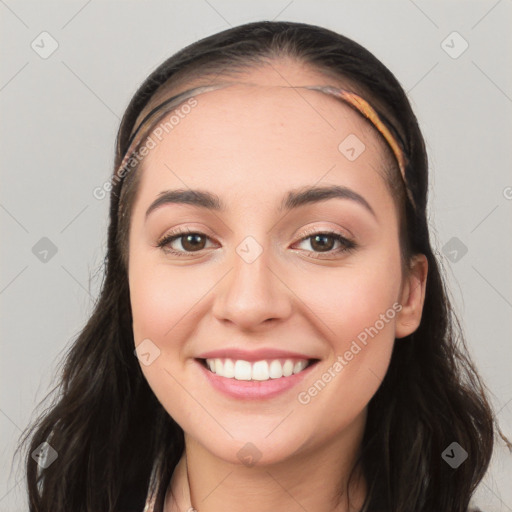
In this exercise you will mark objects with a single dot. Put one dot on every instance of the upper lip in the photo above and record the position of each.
(252, 355)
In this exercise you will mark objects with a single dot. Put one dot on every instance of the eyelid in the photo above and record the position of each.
(186, 230)
(177, 233)
(315, 231)
(303, 234)
(347, 244)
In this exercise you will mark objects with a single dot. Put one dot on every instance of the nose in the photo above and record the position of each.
(253, 294)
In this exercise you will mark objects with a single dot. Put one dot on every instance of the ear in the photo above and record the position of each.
(412, 297)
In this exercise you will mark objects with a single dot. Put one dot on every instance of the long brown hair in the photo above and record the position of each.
(107, 426)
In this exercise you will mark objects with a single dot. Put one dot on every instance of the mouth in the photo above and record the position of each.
(260, 371)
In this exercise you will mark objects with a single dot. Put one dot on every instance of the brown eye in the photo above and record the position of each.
(322, 242)
(193, 241)
(325, 242)
(190, 242)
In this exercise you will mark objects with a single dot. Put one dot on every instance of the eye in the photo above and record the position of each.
(324, 242)
(190, 241)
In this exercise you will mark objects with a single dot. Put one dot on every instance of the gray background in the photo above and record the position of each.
(59, 117)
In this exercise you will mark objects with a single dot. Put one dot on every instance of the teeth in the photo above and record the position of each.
(276, 370)
(229, 369)
(242, 370)
(218, 366)
(299, 366)
(259, 370)
(287, 368)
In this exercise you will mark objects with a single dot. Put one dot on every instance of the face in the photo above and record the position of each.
(259, 284)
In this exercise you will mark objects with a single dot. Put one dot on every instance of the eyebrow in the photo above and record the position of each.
(294, 199)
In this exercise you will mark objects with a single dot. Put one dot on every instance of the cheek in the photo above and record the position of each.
(355, 308)
(165, 305)
(351, 298)
(162, 300)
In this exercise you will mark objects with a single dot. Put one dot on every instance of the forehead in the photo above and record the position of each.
(249, 131)
(264, 133)
(261, 99)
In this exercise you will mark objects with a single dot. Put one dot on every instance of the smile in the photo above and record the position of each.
(240, 369)
(261, 379)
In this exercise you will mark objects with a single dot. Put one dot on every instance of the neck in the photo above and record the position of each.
(315, 479)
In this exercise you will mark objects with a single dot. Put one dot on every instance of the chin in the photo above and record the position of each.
(252, 448)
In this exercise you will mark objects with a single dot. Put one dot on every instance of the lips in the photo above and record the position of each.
(259, 388)
(256, 366)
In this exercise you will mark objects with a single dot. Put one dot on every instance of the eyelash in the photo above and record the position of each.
(347, 245)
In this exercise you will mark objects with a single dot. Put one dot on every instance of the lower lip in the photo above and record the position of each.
(254, 389)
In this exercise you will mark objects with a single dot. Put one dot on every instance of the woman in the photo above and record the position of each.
(273, 330)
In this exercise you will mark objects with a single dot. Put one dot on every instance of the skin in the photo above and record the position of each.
(250, 145)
